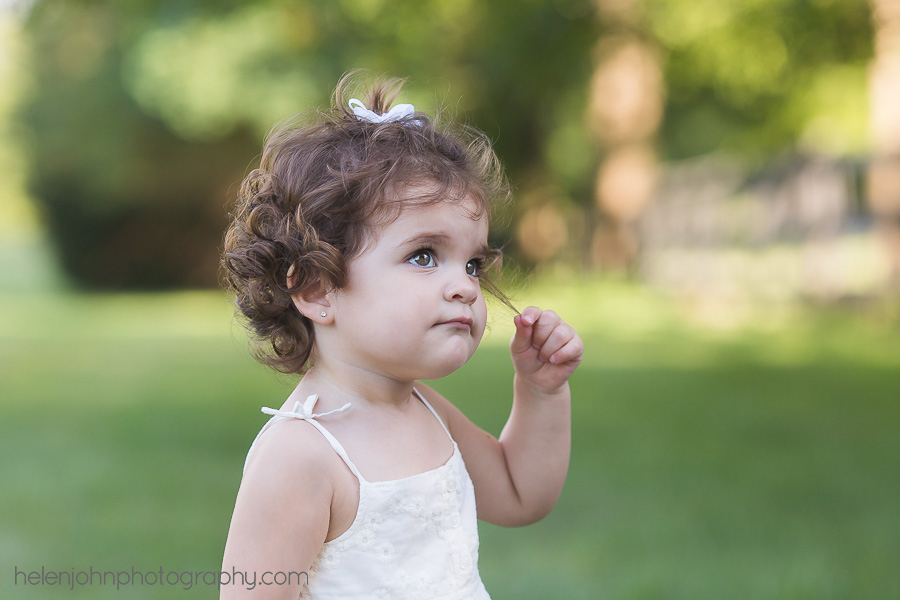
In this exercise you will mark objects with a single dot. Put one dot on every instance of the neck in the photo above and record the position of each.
(338, 382)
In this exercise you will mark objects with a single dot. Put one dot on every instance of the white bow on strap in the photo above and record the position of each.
(304, 410)
(398, 113)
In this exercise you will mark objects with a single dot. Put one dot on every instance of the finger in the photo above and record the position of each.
(573, 350)
(544, 326)
(559, 337)
(522, 338)
(531, 315)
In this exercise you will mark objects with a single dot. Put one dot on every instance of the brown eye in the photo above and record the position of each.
(423, 258)
(473, 267)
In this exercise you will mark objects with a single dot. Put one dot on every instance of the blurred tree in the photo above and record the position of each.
(146, 114)
(627, 96)
(884, 173)
(753, 77)
(128, 203)
(18, 219)
(749, 78)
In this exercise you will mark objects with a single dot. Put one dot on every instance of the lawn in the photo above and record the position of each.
(729, 453)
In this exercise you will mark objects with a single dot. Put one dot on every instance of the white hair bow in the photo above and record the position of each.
(399, 112)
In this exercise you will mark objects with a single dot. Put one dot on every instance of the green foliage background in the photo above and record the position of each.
(144, 116)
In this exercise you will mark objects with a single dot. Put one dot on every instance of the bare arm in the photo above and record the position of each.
(519, 477)
(281, 515)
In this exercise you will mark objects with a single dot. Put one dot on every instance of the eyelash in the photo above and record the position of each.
(477, 263)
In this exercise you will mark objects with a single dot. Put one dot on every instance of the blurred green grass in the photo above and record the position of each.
(756, 458)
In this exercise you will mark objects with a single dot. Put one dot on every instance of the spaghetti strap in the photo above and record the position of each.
(336, 446)
(434, 412)
(304, 412)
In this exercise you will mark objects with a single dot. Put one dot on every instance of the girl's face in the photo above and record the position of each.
(413, 306)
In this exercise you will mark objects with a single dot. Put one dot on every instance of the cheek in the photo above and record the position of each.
(480, 310)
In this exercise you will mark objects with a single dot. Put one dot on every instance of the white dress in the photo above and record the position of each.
(414, 538)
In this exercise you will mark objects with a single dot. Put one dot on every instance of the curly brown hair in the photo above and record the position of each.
(323, 185)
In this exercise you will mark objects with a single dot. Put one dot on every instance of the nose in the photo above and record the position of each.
(462, 287)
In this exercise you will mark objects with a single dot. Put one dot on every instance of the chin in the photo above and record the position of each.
(449, 365)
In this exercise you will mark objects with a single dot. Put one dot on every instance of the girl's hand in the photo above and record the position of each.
(545, 349)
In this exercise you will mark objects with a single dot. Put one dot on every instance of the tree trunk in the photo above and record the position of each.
(883, 180)
(624, 114)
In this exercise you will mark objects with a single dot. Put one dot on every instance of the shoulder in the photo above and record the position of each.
(289, 453)
(282, 512)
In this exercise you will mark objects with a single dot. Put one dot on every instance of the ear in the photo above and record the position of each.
(311, 301)
(313, 304)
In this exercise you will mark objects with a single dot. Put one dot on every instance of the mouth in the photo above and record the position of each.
(461, 323)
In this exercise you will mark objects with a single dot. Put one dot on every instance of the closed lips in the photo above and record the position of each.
(460, 322)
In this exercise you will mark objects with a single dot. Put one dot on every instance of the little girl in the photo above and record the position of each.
(358, 255)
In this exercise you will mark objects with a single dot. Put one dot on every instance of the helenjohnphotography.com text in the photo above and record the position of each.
(185, 579)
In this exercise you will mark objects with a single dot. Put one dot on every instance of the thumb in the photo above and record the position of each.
(522, 338)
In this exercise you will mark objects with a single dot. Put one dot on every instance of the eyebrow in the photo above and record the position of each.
(438, 239)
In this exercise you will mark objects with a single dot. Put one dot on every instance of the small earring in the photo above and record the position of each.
(323, 313)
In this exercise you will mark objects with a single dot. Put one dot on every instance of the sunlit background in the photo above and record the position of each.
(709, 191)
